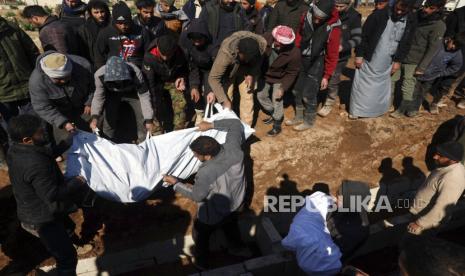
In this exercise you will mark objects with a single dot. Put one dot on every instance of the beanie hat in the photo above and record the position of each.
(347, 2)
(283, 34)
(56, 66)
(116, 69)
(249, 48)
(169, 2)
(323, 8)
(451, 150)
(167, 44)
(121, 12)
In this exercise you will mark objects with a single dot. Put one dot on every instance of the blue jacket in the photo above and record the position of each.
(444, 63)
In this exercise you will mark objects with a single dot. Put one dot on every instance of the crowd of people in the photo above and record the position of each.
(109, 72)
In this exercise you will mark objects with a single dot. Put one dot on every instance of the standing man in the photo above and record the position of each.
(166, 70)
(73, 13)
(117, 82)
(41, 192)
(321, 35)
(122, 39)
(284, 62)
(425, 42)
(145, 18)
(88, 32)
(386, 37)
(18, 55)
(221, 18)
(53, 34)
(61, 88)
(288, 13)
(253, 21)
(265, 13)
(236, 69)
(351, 36)
(219, 186)
(441, 190)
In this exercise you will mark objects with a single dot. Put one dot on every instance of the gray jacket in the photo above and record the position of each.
(54, 103)
(141, 89)
(220, 183)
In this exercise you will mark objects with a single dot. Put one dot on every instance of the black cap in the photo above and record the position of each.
(121, 12)
(451, 150)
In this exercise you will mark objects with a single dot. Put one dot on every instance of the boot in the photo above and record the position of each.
(299, 117)
(268, 121)
(199, 114)
(276, 128)
(309, 119)
(325, 110)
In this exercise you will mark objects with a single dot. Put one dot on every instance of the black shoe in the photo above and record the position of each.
(268, 121)
(273, 132)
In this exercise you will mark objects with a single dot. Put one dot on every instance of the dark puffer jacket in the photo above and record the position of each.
(17, 60)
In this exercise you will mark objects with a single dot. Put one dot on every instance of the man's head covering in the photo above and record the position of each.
(283, 34)
(121, 12)
(56, 66)
(167, 44)
(346, 2)
(451, 150)
(249, 48)
(116, 69)
(323, 8)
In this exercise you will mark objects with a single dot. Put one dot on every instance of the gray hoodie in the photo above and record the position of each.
(220, 183)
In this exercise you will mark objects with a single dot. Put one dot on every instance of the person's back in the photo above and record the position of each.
(56, 35)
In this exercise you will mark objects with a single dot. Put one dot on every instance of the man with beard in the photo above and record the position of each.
(236, 69)
(99, 18)
(351, 36)
(221, 19)
(321, 36)
(386, 35)
(61, 88)
(284, 61)
(123, 38)
(441, 190)
(288, 13)
(42, 194)
(252, 19)
(425, 42)
(73, 13)
(145, 18)
(219, 188)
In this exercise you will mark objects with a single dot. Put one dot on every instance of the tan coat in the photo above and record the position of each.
(441, 190)
(226, 67)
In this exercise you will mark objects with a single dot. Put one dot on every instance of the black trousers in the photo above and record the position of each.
(202, 232)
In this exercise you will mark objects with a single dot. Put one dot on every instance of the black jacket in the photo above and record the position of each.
(374, 27)
(252, 21)
(351, 32)
(156, 27)
(131, 47)
(290, 16)
(88, 34)
(38, 185)
(455, 22)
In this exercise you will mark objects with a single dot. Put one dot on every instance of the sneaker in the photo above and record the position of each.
(302, 127)
(294, 122)
(273, 132)
(268, 121)
(325, 110)
(461, 104)
(433, 109)
(353, 117)
(396, 114)
(442, 103)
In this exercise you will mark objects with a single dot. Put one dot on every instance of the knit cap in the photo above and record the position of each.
(121, 12)
(116, 69)
(283, 34)
(56, 66)
(323, 8)
(451, 150)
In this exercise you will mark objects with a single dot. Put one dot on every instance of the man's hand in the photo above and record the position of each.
(93, 123)
(80, 180)
(419, 72)
(69, 127)
(211, 98)
(358, 62)
(180, 84)
(414, 228)
(171, 180)
(279, 94)
(340, 48)
(248, 81)
(395, 67)
(149, 126)
(324, 84)
(86, 110)
(227, 104)
(204, 126)
(195, 95)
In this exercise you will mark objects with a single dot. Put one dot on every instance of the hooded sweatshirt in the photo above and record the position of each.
(310, 239)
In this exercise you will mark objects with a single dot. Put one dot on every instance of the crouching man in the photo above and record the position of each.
(41, 192)
(219, 187)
